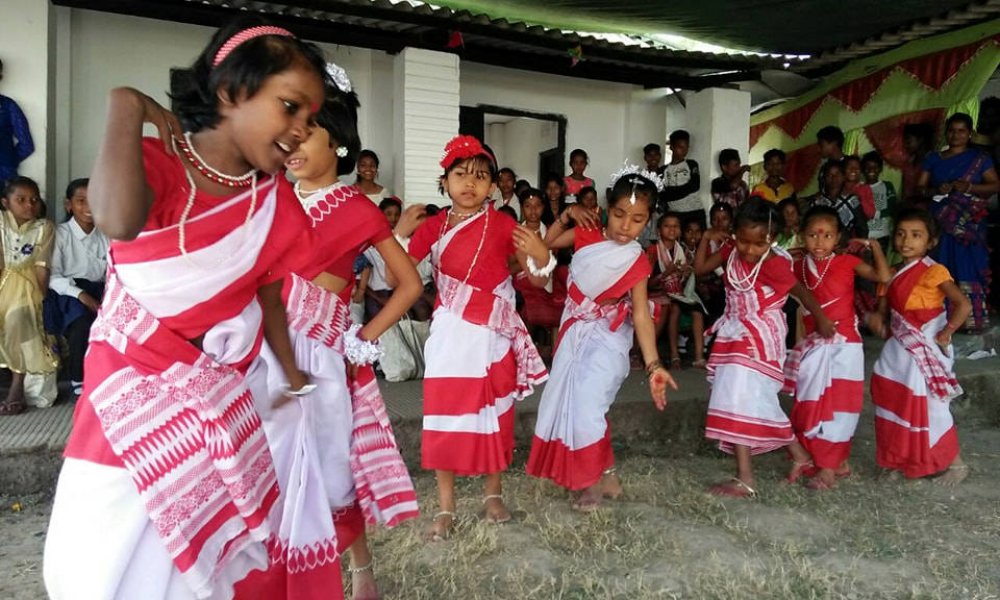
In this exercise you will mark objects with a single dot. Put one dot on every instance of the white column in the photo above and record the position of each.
(717, 119)
(425, 118)
(24, 49)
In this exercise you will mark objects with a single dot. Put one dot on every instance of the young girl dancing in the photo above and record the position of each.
(826, 375)
(607, 295)
(479, 356)
(913, 382)
(336, 457)
(25, 348)
(168, 489)
(745, 365)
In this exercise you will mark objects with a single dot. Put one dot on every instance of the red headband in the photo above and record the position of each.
(246, 35)
(463, 147)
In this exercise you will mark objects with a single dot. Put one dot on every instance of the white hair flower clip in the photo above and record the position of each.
(339, 77)
(631, 169)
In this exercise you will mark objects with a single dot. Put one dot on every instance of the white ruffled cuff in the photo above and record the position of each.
(359, 351)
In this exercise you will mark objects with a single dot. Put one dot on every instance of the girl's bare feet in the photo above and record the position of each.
(800, 468)
(954, 474)
(590, 500)
(735, 487)
(825, 479)
(890, 475)
(495, 511)
(843, 471)
(611, 484)
(441, 526)
(363, 586)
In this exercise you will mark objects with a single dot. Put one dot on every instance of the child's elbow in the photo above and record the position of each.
(118, 229)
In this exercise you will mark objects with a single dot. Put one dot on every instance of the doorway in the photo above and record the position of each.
(532, 144)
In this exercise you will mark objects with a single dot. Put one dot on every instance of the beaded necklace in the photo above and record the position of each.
(819, 276)
(181, 236)
(482, 238)
(233, 181)
(748, 282)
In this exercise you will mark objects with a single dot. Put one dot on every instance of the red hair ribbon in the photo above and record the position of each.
(247, 35)
(463, 147)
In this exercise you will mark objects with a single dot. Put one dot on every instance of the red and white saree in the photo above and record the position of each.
(479, 356)
(572, 442)
(826, 376)
(168, 488)
(745, 365)
(913, 383)
(334, 450)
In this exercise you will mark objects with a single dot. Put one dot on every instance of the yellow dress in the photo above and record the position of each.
(25, 347)
(785, 190)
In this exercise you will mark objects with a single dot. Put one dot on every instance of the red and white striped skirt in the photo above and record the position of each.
(829, 392)
(470, 386)
(743, 410)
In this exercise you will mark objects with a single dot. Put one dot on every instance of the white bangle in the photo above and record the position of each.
(544, 271)
(302, 391)
(358, 351)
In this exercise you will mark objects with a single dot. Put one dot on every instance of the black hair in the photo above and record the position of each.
(831, 133)
(522, 183)
(830, 164)
(790, 201)
(550, 177)
(728, 155)
(668, 215)
(850, 158)
(922, 215)
(959, 118)
(507, 170)
(873, 157)
(507, 210)
(680, 135)
(579, 152)
(693, 220)
(527, 193)
(432, 209)
(774, 153)
(642, 187)
(757, 212)
(721, 207)
(20, 181)
(241, 73)
(75, 185)
(366, 153)
(338, 115)
(587, 189)
(390, 201)
(651, 147)
(820, 212)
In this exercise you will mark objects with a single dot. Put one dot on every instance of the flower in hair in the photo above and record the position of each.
(339, 77)
(630, 169)
(462, 147)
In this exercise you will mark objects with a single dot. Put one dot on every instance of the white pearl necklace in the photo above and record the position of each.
(233, 180)
(745, 283)
(182, 237)
(464, 216)
(805, 279)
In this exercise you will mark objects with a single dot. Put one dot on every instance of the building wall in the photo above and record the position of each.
(518, 142)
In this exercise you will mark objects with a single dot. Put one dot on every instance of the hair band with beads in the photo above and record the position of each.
(245, 36)
(462, 147)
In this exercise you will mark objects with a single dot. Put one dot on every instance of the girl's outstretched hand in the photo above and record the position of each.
(584, 217)
(166, 123)
(411, 218)
(659, 379)
(530, 243)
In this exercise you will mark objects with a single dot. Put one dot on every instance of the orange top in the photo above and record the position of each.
(927, 294)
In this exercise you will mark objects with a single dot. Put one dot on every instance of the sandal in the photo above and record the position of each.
(699, 363)
(493, 518)
(433, 534)
(617, 493)
(801, 469)
(739, 490)
(10, 408)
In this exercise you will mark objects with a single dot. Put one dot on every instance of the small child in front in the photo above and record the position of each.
(607, 298)
(826, 375)
(745, 365)
(480, 358)
(913, 382)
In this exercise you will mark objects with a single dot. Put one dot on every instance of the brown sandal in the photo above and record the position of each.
(11, 407)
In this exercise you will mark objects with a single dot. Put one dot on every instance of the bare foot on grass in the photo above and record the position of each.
(441, 526)
(495, 511)
(363, 585)
(611, 485)
(954, 474)
(590, 500)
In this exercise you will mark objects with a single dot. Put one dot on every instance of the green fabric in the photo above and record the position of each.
(805, 26)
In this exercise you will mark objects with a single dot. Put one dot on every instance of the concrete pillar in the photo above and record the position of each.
(717, 119)
(425, 118)
(27, 51)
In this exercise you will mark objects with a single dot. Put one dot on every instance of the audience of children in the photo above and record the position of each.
(79, 263)
(681, 181)
(505, 194)
(880, 226)
(576, 180)
(833, 194)
(775, 187)
(367, 173)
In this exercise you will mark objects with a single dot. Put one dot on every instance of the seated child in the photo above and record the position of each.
(25, 348)
(775, 188)
(730, 188)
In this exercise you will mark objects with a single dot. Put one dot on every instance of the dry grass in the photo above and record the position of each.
(668, 539)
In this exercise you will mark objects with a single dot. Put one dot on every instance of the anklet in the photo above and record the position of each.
(361, 569)
(610, 471)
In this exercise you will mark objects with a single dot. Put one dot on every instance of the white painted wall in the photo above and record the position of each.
(519, 141)
(611, 121)
(24, 44)
(717, 118)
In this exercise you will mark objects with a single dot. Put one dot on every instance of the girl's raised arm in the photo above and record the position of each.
(645, 333)
(879, 272)
(705, 263)
(120, 196)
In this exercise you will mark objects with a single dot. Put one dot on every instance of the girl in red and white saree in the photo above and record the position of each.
(913, 382)
(606, 298)
(745, 365)
(336, 457)
(168, 490)
(479, 356)
(826, 376)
